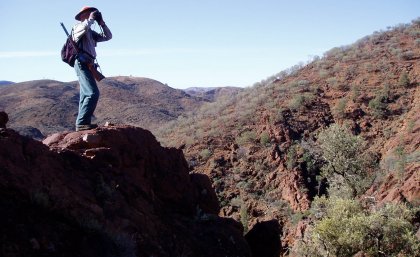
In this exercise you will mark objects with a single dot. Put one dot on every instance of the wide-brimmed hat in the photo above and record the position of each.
(85, 9)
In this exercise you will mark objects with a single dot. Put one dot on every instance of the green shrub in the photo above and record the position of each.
(297, 102)
(236, 202)
(369, 67)
(396, 51)
(378, 106)
(205, 154)
(244, 217)
(340, 107)
(265, 138)
(332, 81)
(410, 126)
(346, 165)
(291, 157)
(259, 166)
(343, 227)
(401, 162)
(246, 137)
(300, 101)
(276, 116)
(355, 93)
(323, 73)
(404, 81)
(406, 55)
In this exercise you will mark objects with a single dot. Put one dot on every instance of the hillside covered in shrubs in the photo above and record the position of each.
(326, 152)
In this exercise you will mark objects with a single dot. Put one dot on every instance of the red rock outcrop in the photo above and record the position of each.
(107, 192)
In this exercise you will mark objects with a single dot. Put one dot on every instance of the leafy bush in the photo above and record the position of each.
(291, 157)
(369, 67)
(244, 217)
(410, 126)
(246, 137)
(404, 81)
(355, 93)
(401, 162)
(343, 227)
(276, 116)
(332, 81)
(205, 154)
(345, 165)
(265, 138)
(300, 101)
(297, 102)
(340, 107)
(378, 106)
(407, 55)
(396, 51)
(324, 73)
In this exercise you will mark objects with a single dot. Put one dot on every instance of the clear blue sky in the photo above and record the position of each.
(188, 43)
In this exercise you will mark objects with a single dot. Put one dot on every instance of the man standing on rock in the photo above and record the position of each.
(86, 40)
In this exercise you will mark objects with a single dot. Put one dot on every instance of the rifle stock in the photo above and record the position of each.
(96, 74)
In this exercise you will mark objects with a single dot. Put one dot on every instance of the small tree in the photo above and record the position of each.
(246, 138)
(346, 165)
(265, 138)
(378, 106)
(297, 102)
(355, 93)
(291, 157)
(340, 107)
(205, 154)
(401, 161)
(404, 81)
(301, 101)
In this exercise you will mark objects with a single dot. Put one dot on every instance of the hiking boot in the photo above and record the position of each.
(85, 127)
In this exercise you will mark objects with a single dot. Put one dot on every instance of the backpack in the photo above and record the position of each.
(69, 52)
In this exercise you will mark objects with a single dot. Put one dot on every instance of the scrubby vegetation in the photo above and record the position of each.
(345, 227)
(309, 145)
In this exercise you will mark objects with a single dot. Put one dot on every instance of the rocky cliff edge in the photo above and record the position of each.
(112, 191)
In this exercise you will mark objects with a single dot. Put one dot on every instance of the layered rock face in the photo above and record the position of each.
(112, 191)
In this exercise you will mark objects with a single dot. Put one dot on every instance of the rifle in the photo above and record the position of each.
(92, 66)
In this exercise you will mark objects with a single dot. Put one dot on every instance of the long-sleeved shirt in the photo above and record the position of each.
(86, 38)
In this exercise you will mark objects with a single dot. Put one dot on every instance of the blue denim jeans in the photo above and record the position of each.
(89, 93)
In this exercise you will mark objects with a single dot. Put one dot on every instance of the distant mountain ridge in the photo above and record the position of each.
(42, 107)
(5, 82)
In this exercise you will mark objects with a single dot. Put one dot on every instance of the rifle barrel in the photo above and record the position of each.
(64, 27)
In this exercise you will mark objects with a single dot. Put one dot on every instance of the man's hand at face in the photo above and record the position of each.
(93, 15)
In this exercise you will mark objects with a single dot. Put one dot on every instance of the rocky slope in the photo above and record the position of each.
(39, 108)
(256, 147)
(112, 191)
